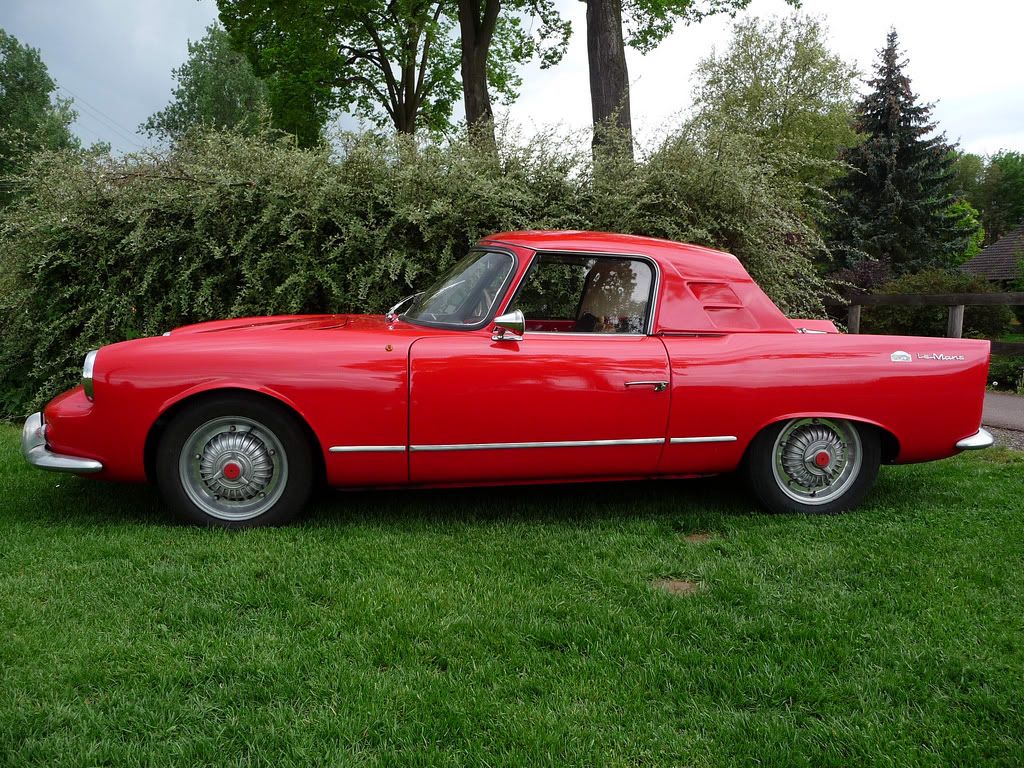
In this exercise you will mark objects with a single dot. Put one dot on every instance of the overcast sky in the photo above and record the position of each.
(114, 57)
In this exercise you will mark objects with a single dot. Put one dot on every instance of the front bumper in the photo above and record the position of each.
(33, 446)
(980, 439)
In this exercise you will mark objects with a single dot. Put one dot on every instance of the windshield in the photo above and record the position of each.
(465, 294)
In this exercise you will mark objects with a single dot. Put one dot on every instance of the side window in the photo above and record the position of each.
(585, 294)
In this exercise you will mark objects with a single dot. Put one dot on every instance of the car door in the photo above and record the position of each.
(553, 405)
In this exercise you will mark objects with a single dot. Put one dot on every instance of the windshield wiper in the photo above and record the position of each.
(392, 314)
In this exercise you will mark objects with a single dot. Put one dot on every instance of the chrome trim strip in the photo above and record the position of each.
(366, 448)
(33, 447)
(543, 444)
(590, 335)
(980, 439)
(706, 439)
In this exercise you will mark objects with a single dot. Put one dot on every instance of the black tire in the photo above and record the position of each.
(272, 476)
(783, 469)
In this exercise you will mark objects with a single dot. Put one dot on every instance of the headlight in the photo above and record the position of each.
(87, 366)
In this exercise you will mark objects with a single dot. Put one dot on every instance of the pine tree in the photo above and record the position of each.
(896, 205)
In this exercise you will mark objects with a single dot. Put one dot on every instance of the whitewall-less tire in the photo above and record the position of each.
(234, 461)
(816, 466)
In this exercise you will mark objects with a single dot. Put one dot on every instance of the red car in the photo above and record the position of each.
(539, 357)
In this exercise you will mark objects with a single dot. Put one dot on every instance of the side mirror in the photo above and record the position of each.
(509, 327)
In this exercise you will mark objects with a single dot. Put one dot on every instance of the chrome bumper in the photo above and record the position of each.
(980, 439)
(33, 446)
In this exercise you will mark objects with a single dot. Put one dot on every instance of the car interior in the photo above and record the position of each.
(566, 293)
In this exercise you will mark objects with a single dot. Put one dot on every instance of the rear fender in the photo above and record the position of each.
(889, 452)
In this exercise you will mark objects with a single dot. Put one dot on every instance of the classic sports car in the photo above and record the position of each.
(539, 357)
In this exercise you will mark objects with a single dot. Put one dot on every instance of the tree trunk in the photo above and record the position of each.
(408, 105)
(609, 78)
(476, 32)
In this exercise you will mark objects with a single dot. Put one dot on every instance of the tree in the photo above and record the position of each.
(32, 117)
(216, 88)
(779, 82)
(493, 42)
(390, 62)
(968, 175)
(995, 187)
(647, 23)
(609, 77)
(394, 61)
(1001, 194)
(969, 220)
(895, 203)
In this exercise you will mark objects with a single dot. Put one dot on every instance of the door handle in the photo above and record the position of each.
(659, 386)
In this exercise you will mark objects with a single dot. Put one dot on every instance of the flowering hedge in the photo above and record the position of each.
(100, 249)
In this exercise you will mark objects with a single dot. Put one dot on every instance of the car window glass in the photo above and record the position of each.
(585, 294)
(466, 293)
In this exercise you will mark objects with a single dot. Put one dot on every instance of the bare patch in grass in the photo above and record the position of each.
(698, 537)
(677, 586)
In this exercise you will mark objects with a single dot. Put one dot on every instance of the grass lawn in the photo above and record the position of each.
(517, 627)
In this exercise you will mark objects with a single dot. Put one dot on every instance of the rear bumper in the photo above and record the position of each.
(980, 439)
(33, 446)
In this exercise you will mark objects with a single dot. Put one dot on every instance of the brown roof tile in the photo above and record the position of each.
(1001, 260)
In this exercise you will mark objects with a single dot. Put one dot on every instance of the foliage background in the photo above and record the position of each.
(979, 322)
(102, 249)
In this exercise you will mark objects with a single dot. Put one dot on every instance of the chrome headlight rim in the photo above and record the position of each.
(87, 372)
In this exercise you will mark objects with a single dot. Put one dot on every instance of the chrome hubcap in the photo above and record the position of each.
(233, 468)
(817, 460)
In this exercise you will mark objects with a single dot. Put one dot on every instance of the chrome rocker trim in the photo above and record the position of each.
(428, 447)
(366, 449)
(707, 439)
(549, 444)
(33, 446)
(980, 439)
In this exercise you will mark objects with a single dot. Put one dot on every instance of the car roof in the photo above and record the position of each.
(708, 291)
(688, 259)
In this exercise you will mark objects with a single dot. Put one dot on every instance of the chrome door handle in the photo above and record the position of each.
(659, 386)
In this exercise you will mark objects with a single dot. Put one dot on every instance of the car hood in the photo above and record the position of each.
(285, 323)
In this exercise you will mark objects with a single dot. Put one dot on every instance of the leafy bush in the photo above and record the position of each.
(102, 249)
(1007, 373)
(980, 322)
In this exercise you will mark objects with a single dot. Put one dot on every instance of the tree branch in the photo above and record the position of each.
(385, 65)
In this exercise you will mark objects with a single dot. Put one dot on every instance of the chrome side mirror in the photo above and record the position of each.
(509, 327)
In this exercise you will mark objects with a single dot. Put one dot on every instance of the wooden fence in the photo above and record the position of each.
(956, 303)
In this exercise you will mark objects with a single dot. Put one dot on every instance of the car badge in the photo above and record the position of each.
(899, 356)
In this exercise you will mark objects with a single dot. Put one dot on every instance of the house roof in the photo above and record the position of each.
(1001, 260)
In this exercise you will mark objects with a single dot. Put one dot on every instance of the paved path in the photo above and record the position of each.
(1004, 410)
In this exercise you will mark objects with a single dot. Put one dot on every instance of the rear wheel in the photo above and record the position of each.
(814, 466)
(234, 462)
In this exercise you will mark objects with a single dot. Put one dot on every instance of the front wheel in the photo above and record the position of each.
(814, 466)
(234, 462)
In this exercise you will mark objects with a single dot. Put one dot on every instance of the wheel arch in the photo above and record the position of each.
(176, 405)
(890, 443)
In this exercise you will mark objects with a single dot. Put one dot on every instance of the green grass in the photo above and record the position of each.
(517, 627)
